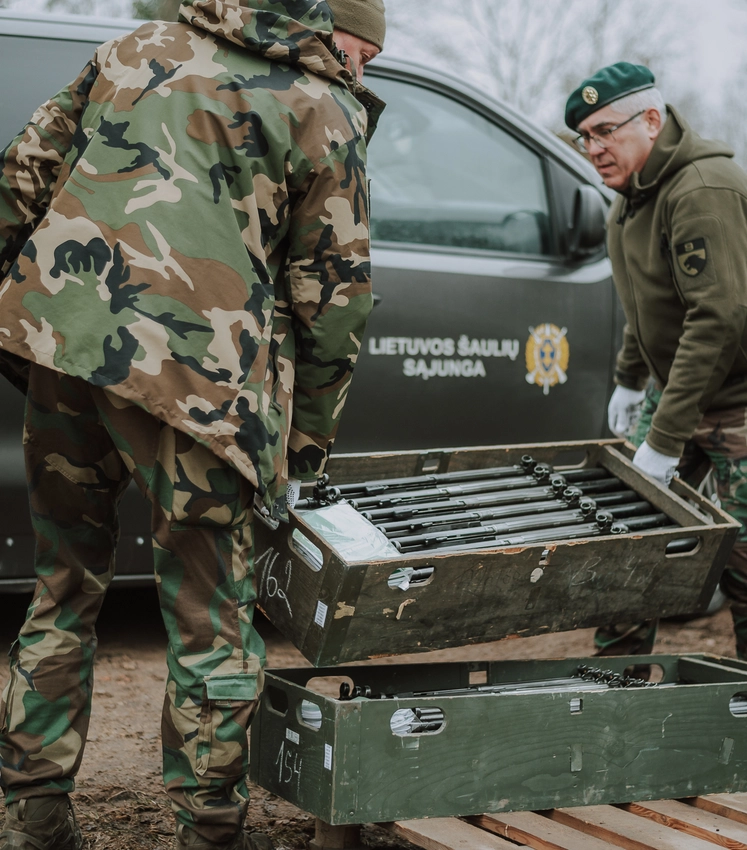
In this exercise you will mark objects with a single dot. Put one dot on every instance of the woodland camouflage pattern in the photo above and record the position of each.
(185, 250)
(241, 323)
(83, 446)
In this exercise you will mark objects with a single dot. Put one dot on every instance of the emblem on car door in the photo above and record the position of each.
(547, 355)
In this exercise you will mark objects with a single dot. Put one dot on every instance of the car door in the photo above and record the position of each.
(38, 58)
(485, 330)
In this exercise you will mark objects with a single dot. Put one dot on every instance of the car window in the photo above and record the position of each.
(34, 69)
(443, 175)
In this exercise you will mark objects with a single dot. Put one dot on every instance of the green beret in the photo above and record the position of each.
(609, 84)
(364, 18)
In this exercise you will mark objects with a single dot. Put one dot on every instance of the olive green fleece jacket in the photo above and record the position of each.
(678, 243)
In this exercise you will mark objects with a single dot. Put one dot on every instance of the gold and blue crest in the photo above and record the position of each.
(547, 355)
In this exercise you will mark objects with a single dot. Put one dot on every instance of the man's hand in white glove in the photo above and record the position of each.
(292, 492)
(653, 463)
(623, 409)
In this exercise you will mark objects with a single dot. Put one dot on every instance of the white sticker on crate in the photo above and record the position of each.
(292, 736)
(327, 757)
(320, 618)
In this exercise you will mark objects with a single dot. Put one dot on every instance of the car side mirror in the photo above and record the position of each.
(586, 230)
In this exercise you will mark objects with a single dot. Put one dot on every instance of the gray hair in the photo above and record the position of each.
(639, 101)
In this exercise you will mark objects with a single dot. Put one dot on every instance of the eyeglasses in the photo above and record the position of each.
(604, 137)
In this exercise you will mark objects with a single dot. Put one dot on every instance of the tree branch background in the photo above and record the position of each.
(533, 53)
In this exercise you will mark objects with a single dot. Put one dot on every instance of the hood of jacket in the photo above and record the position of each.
(677, 146)
(294, 32)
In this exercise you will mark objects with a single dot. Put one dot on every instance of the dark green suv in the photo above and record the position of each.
(496, 318)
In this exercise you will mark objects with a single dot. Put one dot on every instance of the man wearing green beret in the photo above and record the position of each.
(677, 239)
(185, 282)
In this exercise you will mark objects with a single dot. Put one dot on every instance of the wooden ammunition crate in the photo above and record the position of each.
(498, 752)
(336, 612)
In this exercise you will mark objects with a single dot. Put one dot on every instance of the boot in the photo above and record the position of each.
(41, 823)
(188, 839)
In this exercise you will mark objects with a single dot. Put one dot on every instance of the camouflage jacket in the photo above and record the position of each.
(186, 225)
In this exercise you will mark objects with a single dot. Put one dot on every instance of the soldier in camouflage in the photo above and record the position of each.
(184, 248)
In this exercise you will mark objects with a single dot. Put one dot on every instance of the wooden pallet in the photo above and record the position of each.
(698, 823)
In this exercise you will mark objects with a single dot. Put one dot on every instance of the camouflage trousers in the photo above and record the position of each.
(83, 445)
(719, 444)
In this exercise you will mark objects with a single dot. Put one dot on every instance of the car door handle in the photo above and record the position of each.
(377, 299)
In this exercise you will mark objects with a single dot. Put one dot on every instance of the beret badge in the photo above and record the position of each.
(590, 95)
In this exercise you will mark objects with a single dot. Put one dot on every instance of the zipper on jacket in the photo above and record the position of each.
(644, 352)
(666, 249)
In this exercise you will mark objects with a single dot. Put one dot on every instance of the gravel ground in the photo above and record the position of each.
(119, 798)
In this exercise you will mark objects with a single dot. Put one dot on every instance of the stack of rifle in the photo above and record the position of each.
(504, 506)
(418, 720)
(584, 678)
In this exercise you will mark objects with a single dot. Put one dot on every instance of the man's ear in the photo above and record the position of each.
(652, 119)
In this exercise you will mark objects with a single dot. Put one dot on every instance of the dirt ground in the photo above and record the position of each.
(119, 797)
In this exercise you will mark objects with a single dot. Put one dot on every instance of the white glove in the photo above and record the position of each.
(653, 463)
(624, 409)
(292, 492)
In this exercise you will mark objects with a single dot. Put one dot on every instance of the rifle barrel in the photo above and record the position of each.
(511, 486)
(527, 494)
(444, 492)
(570, 532)
(541, 473)
(567, 683)
(629, 509)
(524, 523)
(391, 529)
(634, 515)
(682, 546)
(618, 498)
(480, 515)
(640, 523)
(373, 488)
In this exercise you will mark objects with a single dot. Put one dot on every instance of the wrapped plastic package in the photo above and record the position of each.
(353, 536)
